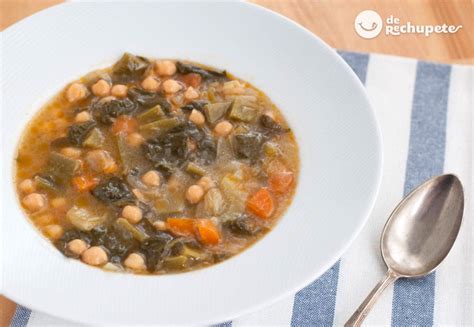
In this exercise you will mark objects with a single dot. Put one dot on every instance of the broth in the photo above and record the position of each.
(156, 166)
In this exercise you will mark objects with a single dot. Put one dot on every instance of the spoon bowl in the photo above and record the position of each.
(418, 235)
(421, 230)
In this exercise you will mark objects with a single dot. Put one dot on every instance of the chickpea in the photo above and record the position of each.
(54, 232)
(151, 84)
(82, 117)
(119, 91)
(44, 220)
(160, 225)
(101, 88)
(34, 201)
(135, 261)
(194, 194)
(27, 186)
(77, 246)
(57, 203)
(132, 213)
(191, 93)
(135, 140)
(233, 87)
(206, 183)
(171, 86)
(165, 68)
(223, 128)
(76, 92)
(151, 178)
(95, 256)
(197, 117)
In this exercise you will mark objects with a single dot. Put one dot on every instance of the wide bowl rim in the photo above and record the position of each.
(335, 256)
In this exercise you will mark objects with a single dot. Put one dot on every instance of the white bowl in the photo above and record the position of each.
(322, 99)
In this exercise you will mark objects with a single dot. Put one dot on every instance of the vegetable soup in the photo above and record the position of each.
(156, 166)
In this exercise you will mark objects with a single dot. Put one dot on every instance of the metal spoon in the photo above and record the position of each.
(418, 235)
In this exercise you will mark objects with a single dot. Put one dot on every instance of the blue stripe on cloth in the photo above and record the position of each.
(413, 300)
(224, 324)
(314, 305)
(21, 317)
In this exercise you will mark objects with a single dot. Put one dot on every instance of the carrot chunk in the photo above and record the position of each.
(208, 232)
(125, 124)
(202, 229)
(84, 183)
(181, 226)
(261, 204)
(192, 79)
(281, 181)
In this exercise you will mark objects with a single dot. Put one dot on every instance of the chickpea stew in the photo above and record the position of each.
(156, 166)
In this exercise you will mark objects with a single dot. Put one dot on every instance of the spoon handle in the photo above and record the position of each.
(363, 310)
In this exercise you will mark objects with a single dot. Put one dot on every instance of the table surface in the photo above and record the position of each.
(333, 21)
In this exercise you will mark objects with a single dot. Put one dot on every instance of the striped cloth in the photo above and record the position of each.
(424, 112)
